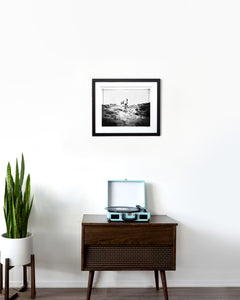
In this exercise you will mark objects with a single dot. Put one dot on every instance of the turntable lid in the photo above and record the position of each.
(126, 193)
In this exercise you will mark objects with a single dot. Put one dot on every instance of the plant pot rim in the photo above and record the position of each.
(29, 235)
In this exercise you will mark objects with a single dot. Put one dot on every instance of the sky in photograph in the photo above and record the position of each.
(134, 95)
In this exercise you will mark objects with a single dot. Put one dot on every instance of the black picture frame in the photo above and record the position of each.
(112, 116)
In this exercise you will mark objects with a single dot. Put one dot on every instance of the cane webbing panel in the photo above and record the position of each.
(129, 257)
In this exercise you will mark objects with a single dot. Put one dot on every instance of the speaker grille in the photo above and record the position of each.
(129, 257)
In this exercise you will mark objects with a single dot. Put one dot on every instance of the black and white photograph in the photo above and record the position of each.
(126, 106)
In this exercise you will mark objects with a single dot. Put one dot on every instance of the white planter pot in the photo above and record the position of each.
(17, 250)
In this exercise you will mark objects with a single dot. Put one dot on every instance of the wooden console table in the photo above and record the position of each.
(108, 246)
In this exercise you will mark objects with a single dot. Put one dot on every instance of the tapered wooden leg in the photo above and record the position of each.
(156, 279)
(6, 279)
(24, 277)
(1, 278)
(33, 287)
(90, 282)
(164, 284)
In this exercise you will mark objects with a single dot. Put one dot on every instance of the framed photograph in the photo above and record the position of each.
(125, 107)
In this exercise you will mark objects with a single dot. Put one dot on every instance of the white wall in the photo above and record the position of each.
(50, 51)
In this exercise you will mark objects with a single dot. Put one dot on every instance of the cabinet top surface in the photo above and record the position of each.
(102, 219)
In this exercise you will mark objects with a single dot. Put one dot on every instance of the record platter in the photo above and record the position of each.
(127, 214)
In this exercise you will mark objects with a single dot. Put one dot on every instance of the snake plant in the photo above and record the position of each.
(17, 202)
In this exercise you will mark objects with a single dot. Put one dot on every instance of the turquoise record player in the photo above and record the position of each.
(126, 201)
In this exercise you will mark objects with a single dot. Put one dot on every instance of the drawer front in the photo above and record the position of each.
(129, 258)
(129, 235)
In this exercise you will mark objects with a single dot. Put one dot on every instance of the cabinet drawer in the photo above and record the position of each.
(129, 235)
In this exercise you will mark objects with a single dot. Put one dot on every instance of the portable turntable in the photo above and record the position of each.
(126, 201)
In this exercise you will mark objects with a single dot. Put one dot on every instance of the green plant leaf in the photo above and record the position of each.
(16, 186)
(22, 172)
(27, 192)
(9, 227)
(30, 208)
(6, 197)
(9, 178)
(28, 211)
(15, 229)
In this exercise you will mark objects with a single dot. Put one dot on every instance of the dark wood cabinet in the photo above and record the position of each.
(128, 246)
